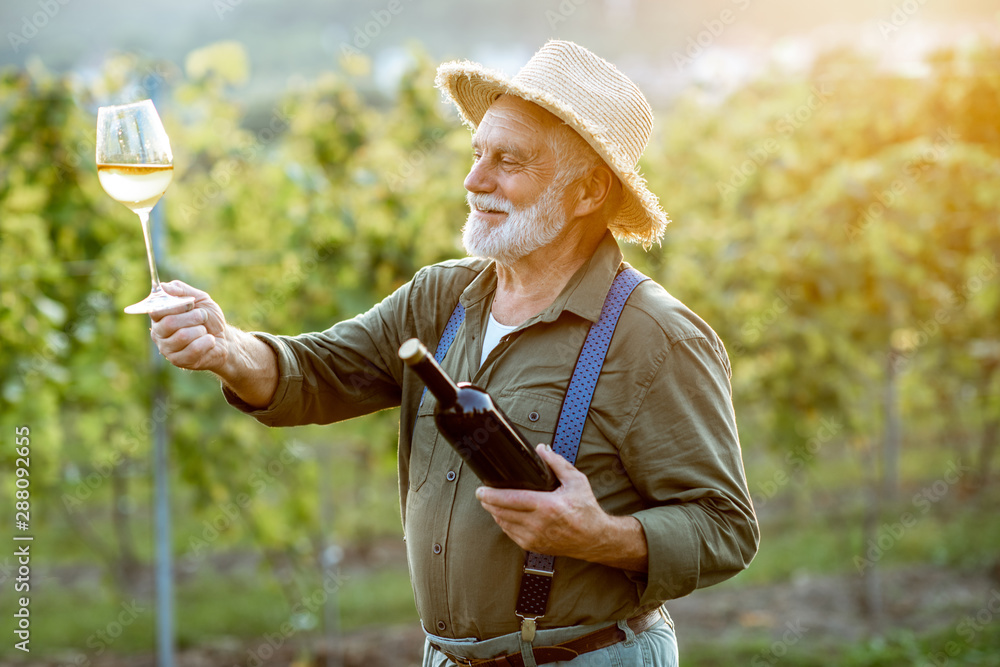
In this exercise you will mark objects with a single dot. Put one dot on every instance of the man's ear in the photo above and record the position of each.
(593, 190)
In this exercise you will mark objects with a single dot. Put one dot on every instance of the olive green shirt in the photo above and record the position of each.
(660, 443)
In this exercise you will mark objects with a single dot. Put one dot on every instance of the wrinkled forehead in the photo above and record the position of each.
(511, 119)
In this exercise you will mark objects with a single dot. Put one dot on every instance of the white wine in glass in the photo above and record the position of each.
(135, 166)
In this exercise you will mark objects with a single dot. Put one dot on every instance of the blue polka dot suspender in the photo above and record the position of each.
(536, 581)
(447, 338)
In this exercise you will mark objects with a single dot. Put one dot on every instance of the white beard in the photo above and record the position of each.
(526, 229)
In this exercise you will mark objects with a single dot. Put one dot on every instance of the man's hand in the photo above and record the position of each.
(568, 521)
(197, 337)
(192, 336)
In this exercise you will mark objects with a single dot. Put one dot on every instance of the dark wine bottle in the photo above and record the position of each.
(478, 429)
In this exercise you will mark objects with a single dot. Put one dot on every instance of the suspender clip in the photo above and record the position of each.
(528, 627)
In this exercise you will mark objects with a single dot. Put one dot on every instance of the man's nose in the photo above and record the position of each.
(480, 178)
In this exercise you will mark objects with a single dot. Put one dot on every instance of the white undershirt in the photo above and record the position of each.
(494, 332)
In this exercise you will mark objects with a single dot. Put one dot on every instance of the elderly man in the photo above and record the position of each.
(656, 504)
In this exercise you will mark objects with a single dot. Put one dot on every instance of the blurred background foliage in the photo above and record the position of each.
(839, 229)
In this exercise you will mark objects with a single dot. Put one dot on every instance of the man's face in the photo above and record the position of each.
(515, 197)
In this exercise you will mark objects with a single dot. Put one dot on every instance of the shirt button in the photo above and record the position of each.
(442, 626)
(436, 549)
(451, 476)
(533, 416)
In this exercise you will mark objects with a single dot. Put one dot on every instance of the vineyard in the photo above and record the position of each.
(840, 230)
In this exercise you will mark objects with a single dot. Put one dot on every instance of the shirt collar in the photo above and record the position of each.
(583, 295)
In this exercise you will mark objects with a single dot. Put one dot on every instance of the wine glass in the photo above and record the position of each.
(135, 166)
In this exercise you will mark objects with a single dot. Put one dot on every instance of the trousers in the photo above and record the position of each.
(656, 647)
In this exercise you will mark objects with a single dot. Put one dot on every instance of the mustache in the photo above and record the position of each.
(486, 202)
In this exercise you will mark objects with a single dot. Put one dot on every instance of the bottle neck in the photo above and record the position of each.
(437, 381)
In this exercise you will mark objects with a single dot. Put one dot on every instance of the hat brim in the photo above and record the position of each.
(473, 88)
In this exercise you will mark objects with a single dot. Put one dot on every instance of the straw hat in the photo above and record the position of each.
(592, 97)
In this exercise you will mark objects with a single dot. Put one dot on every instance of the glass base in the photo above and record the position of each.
(158, 300)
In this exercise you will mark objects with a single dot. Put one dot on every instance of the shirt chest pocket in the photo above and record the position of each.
(534, 415)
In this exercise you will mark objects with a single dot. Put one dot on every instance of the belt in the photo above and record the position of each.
(593, 641)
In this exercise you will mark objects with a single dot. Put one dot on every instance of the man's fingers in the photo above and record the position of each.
(181, 288)
(158, 315)
(191, 336)
(504, 516)
(511, 499)
(178, 340)
(563, 469)
(184, 337)
(167, 325)
(527, 501)
(555, 461)
(198, 355)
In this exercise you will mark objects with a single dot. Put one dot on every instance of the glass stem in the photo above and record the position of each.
(143, 214)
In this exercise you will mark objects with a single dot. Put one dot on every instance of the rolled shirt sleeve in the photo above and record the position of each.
(343, 372)
(353, 368)
(683, 455)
